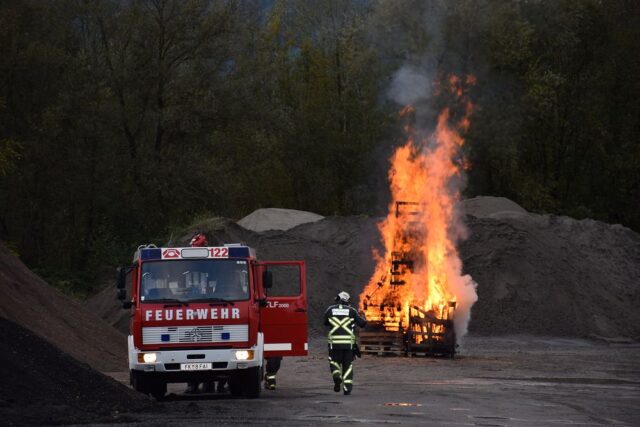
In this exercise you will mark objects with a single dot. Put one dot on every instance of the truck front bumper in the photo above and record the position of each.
(173, 361)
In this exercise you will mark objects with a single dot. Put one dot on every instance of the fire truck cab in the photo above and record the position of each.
(204, 314)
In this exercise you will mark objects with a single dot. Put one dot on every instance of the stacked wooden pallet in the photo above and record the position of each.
(382, 343)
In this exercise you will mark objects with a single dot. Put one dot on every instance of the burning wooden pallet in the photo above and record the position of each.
(429, 335)
(400, 324)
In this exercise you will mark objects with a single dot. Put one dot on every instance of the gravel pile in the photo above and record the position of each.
(543, 274)
(43, 385)
(29, 301)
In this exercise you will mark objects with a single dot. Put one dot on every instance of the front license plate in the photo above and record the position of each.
(194, 366)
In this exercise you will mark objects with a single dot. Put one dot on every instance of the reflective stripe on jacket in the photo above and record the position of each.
(342, 319)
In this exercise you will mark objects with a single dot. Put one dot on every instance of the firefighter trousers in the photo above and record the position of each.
(273, 365)
(340, 363)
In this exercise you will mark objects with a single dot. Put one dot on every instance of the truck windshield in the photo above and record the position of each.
(194, 280)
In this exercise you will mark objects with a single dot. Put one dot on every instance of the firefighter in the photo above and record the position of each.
(342, 318)
(273, 365)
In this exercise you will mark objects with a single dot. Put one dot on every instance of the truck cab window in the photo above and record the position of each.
(191, 280)
(286, 281)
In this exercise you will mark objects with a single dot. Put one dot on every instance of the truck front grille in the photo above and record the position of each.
(195, 334)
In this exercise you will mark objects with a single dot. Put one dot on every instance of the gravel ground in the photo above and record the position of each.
(497, 381)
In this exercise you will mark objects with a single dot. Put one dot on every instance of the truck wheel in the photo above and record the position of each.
(235, 384)
(252, 382)
(158, 390)
(138, 382)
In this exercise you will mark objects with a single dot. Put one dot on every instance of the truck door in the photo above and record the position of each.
(283, 319)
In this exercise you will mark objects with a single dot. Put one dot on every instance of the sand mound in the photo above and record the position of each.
(42, 385)
(536, 274)
(29, 301)
(277, 219)
(482, 207)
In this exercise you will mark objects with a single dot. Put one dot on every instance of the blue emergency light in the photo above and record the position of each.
(239, 252)
(150, 254)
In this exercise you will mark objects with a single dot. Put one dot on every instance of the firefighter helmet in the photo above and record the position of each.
(343, 297)
(199, 240)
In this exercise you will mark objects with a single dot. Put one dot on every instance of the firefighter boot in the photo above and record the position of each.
(336, 373)
(347, 389)
(347, 383)
(270, 382)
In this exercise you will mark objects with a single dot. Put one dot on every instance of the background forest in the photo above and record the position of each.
(122, 120)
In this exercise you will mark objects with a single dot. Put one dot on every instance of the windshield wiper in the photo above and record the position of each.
(212, 301)
(170, 300)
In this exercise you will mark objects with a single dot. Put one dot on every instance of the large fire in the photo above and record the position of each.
(420, 267)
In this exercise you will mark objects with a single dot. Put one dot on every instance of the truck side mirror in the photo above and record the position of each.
(121, 279)
(267, 279)
(122, 295)
(121, 283)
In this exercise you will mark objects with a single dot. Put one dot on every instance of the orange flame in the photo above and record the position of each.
(420, 266)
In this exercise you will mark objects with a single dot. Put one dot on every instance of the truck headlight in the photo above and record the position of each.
(244, 354)
(147, 358)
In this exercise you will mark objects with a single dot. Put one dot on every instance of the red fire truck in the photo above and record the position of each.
(204, 314)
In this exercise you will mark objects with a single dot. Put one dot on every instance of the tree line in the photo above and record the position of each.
(120, 120)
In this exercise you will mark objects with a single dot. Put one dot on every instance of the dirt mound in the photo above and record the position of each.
(487, 206)
(544, 274)
(276, 219)
(29, 301)
(536, 274)
(42, 385)
(105, 305)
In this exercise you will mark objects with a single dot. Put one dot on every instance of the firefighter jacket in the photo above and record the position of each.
(342, 318)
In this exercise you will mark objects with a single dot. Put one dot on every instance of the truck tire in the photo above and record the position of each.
(158, 390)
(235, 384)
(145, 385)
(246, 383)
(139, 382)
(252, 383)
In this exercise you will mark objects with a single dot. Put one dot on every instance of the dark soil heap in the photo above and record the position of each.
(29, 301)
(544, 274)
(42, 385)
